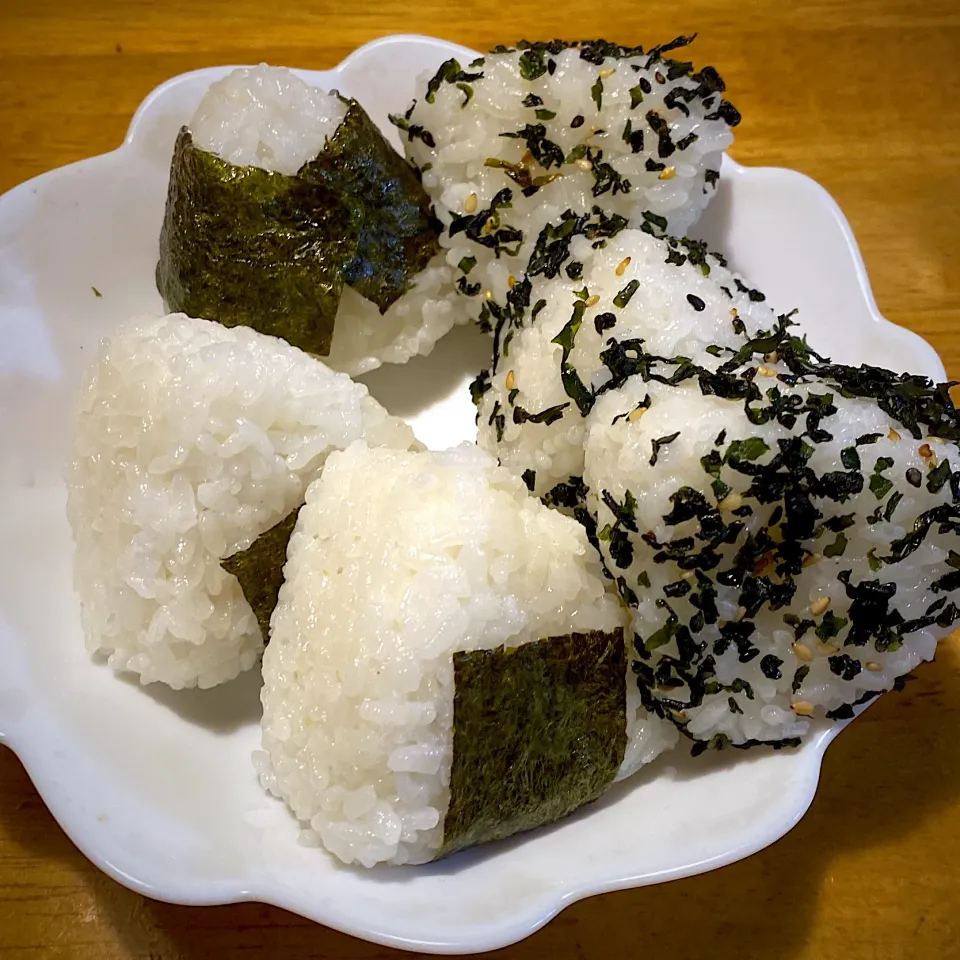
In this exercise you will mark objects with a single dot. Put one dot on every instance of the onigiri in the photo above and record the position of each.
(404, 569)
(191, 440)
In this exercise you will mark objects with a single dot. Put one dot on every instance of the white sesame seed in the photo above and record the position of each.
(873, 666)
(622, 266)
(636, 414)
(511, 381)
(592, 301)
(731, 501)
(802, 651)
(470, 204)
(820, 606)
(584, 164)
(607, 72)
(667, 174)
(802, 708)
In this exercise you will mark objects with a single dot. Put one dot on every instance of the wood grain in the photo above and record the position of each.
(861, 95)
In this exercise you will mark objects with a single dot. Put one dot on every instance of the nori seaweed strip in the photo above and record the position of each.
(246, 246)
(398, 236)
(539, 730)
(259, 569)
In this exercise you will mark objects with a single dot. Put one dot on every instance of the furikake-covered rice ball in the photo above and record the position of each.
(783, 528)
(550, 334)
(514, 140)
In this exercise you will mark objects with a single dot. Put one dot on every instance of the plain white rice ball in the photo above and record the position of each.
(190, 440)
(397, 561)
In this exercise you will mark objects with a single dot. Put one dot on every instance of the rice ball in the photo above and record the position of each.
(674, 296)
(522, 137)
(399, 561)
(782, 529)
(190, 440)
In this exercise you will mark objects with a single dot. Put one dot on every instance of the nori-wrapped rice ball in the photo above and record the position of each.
(251, 247)
(281, 196)
(445, 666)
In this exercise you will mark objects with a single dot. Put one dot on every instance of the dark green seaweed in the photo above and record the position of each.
(243, 245)
(538, 731)
(398, 236)
(246, 246)
(259, 569)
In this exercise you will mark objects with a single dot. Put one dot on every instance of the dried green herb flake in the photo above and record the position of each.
(623, 297)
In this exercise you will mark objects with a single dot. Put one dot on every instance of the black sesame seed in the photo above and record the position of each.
(577, 121)
(770, 667)
(696, 303)
(914, 477)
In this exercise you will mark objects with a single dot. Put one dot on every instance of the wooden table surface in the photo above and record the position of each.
(863, 96)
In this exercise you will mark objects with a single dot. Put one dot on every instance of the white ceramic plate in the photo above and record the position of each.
(156, 787)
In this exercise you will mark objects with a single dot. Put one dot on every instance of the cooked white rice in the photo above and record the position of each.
(192, 439)
(268, 117)
(398, 560)
(465, 120)
(765, 685)
(364, 339)
(527, 375)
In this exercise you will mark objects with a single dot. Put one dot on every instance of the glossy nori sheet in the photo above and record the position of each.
(259, 569)
(398, 236)
(242, 245)
(538, 731)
